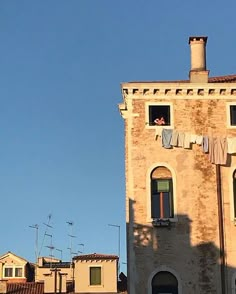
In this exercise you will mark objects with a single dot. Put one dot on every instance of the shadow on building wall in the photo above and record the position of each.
(161, 259)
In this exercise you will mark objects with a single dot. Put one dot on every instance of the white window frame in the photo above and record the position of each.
(148, 189)
(8, 267)
(171, 126)
(14, 267)
(22, 269)
(100, 285)
(228, 104)
(231, 190)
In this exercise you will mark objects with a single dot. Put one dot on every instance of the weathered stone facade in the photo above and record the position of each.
(188, 248)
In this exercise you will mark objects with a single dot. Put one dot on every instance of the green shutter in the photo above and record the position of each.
(95, 276)
(163, 186)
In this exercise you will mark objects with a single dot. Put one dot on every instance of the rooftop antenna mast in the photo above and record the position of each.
(82, 251)
(36, 227)
(71, 236)
(51, 247)
(46, 231)
(60, 252)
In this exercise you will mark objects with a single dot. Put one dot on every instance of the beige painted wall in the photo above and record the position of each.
(49, 283)
(190, 249)
(13, 261)
(109, 276)
(41, 272)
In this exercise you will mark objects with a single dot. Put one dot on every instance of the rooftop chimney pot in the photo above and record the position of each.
(198, 71)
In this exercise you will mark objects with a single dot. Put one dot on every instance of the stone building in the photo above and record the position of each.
(180, 145)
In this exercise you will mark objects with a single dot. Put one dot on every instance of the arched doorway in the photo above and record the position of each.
(164, 283)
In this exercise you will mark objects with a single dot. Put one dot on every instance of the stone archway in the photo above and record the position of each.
(164, 282)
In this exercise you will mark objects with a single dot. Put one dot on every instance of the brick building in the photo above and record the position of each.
(180, 139)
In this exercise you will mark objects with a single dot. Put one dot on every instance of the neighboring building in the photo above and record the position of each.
(96, 273)
(181, 199)
(15, 269)
(55, 274)
(92, 273)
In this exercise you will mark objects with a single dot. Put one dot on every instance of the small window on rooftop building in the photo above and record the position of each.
(95, 276)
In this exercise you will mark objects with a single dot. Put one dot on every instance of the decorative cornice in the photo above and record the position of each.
(179, 91)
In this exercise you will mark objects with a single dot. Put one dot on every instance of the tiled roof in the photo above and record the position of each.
(95, 256)
(25, 288)
(223, 79)
(219, 79)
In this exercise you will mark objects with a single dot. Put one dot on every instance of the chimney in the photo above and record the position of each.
(198, 72)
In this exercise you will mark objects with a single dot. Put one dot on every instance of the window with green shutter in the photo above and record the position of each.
(161, 194)
(95, 276)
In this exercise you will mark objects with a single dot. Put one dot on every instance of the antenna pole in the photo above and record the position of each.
(71, 236)
(36, 227)
(46, 230)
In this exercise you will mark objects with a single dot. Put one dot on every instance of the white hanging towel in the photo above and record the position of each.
(231, 145)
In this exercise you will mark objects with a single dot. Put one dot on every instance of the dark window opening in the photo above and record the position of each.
(18, 272)
(234, 192)
(233, 115)
(162, 206)
(8, 272)
(159, 115)
(164, 282)
(161, 193)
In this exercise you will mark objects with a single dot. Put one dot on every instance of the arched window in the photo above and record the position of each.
(161, 193)
(164, 282)
(234, 192)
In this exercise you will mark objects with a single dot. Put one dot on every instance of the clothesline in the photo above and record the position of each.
(216, 147)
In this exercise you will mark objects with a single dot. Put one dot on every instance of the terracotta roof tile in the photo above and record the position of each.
(219, 79)
(95, 256)
(25, 288)
(223, 79)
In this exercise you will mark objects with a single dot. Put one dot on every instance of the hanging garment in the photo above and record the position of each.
(181, 140)
(193, 138)
(205, 144)
(231, 142)
(187, 138)
(218, 150)
(174, 139)
(211, 149)
(199, 140)
(166, 138)
(158, 132)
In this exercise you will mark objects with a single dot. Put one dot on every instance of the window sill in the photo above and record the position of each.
(231, 127)
(171, 219)
(156, 126)
(96, 286)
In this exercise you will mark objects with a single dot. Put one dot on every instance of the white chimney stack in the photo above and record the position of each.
(198, 72)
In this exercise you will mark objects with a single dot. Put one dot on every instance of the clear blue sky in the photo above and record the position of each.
(62, 138)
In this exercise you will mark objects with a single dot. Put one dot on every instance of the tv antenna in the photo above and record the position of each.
(46, 231)
(51, 247)
(36, 227)
(71, 237)
(82, 250)
(60, 252)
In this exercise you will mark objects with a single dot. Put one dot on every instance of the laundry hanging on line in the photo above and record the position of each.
(216, 147)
